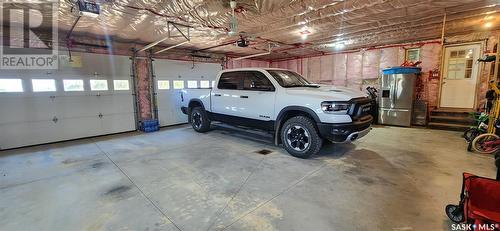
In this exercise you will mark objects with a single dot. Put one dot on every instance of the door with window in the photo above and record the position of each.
(460, 75)
(258, 96)
(225, 96)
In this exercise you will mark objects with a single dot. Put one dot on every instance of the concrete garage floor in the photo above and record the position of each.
(177, 179)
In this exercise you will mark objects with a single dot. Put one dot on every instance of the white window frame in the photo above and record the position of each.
(192, 84)
(80, 80)
(207, 85)
(17, 89)
(183, 84)
(164, 81)
(121, 89)
(105, 80)
(35, 88)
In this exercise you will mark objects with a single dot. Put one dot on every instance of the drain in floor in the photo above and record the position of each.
(264, 152)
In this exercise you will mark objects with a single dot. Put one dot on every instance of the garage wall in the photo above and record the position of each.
(363, 68)
(245, 63)
(35, 117)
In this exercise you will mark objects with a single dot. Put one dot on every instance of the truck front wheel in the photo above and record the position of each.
(199, 119)
(300, 137)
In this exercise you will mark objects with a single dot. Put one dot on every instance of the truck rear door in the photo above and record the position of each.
(246, 94)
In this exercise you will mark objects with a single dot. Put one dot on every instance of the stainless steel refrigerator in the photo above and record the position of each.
(396, 100)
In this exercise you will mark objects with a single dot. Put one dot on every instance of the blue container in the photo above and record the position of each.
(150, 126)
(402, 70)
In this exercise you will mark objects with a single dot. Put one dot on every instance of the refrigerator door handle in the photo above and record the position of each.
(394, 93)
(391, 96)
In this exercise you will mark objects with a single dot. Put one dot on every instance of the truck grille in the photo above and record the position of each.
(360, 107)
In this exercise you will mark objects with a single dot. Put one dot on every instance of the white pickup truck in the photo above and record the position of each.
(300, 114)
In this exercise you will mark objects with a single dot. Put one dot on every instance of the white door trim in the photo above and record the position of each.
(478, 72)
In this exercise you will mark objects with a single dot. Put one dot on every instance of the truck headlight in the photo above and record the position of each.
(334, 106)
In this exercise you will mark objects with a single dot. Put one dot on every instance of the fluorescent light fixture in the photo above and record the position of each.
(489, 17)
(88, 9)
(339, 46)
(170, 47)
(88, 14)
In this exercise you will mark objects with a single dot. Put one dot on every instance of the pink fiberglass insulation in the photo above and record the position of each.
(143, 86)
(371, 61)
(246, 63)
(354, 67)
(340, 69)
(314, 69)
(389, 57)
(326, 75)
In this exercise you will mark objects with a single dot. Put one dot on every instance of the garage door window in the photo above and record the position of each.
(192, 84)
(11, 85)
(163, 84)
(205, 84)
(121, 85)
(98, 85)
(73, 84)
(178, 84)
(43, 85)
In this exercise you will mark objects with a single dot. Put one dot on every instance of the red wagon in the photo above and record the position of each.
(479, 205)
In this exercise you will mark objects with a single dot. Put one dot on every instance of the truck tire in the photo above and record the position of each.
(300, 137)
(199, 119)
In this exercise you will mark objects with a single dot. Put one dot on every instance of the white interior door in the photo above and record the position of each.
(460, 75)
(174, 76)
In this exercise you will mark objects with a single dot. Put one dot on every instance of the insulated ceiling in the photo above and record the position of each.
(351, 23)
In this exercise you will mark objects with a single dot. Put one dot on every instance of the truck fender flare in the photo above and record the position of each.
(197, 101)
(281, 114)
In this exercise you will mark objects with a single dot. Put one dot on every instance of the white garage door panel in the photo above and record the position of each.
(24, 109)
(27, 118)
(114, 123)
(27, 133)
(169, 100)
(77, 127)
(117, 104)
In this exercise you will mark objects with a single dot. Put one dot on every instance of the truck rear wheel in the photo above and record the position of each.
(199, 119)
(300, 137)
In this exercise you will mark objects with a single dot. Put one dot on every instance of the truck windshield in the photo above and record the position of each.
(290, 79)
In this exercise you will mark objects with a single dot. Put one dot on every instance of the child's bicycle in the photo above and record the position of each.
(479, 127)
(489, 142)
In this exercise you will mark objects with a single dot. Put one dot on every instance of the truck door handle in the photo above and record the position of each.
(244, 96)
(217, 94)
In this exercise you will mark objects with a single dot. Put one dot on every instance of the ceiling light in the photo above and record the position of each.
(304, 36)
(305, 31)
(488, 24)
(489, 17)
(339, 46)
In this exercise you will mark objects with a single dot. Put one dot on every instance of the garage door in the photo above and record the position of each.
(88, 97)
(174, 76)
